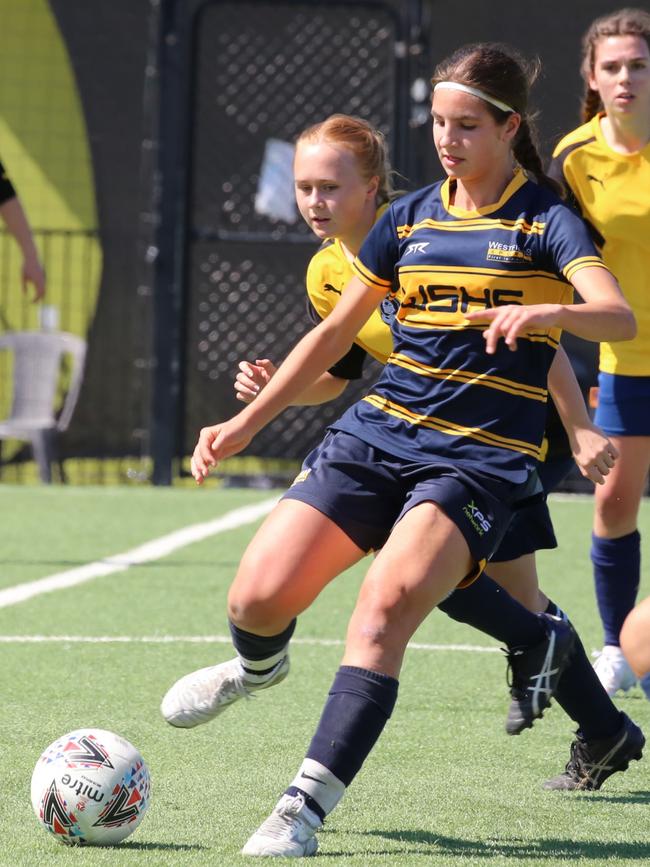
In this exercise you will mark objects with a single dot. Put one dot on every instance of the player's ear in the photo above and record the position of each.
(511, 126)
(373, 186)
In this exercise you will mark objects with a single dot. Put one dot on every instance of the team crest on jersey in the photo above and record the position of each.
(498, 252)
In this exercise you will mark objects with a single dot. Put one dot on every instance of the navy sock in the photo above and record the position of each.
(582, 696)
(489, 608)
(358, 707)
(617, 568)
(252, 646)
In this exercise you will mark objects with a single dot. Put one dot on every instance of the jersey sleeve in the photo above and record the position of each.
(351, 365)
(556, 171)
(568, 243)
(7, 190)
(375, 264)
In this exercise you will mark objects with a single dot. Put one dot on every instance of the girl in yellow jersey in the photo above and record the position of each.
(605, 163)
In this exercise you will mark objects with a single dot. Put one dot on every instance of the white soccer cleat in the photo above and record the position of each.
(289, 831)
(613, 670)
(202, 695)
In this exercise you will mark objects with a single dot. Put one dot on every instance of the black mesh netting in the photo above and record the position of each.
(266, 70)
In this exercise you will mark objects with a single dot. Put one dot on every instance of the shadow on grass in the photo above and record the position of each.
(637, 797)
(523, 850)
(162, 847)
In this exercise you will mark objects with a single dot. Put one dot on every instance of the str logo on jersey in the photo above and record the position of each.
(416, 248)
(477, 519)
(498, 252)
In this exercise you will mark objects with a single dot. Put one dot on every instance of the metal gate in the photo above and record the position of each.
(262, 72)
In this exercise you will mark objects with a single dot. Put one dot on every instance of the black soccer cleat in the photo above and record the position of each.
(593, 761)
(536, 671)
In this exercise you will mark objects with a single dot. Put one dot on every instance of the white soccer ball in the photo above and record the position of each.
(90, 786)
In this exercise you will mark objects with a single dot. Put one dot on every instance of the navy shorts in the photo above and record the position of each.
(623, 405)
(531, 528)
(366, 491)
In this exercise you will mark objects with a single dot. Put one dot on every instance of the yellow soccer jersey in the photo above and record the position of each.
(327, 275)
(613, 193)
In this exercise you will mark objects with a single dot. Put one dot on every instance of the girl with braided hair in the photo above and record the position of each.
(428, 467)
(605, 166)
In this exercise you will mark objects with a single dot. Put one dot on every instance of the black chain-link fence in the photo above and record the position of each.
(263, 72)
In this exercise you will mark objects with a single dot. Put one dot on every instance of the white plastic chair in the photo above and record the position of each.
(38, 357)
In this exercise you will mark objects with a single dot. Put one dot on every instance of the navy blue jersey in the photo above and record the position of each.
(440, 394)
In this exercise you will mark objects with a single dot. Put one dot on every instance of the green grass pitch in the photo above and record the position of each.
(444, 786)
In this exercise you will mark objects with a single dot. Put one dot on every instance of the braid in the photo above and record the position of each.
(527, 155)
(591, 104)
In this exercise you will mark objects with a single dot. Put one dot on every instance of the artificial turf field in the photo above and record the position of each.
(444, 786)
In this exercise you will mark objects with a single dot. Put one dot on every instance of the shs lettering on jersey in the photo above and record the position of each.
(442, 397)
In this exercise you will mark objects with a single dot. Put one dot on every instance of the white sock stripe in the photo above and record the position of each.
(320, 784)
(256, 665)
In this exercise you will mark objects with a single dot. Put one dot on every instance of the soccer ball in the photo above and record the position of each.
(90, 786)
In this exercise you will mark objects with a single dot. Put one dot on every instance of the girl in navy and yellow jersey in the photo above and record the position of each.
(605, 163)
(428, 468)
(327, 187)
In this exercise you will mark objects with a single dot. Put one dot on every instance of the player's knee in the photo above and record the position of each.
(616, 513)
(635, 638)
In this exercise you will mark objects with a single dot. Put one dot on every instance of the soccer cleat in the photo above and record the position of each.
(288, 832)
(204, 694)
(536, 671)
(593, 761)
(613, 670)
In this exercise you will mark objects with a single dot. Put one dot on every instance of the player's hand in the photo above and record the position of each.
(216, 443)
(594, 454)
(33, 274)
(513, 320)
(252, 378)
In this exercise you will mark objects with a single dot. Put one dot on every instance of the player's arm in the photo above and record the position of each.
(318, 350)
(254, 376)
(592, 451)
(605, 314)
(16, 221)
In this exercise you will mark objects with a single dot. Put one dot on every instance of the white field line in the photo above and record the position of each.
(153, 550)
(211, 639)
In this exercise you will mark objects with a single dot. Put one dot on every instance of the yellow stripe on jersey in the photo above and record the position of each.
(487, 272)
(369, 278)
(473, 225)
(469, 377)
(451, 429)
(584, 262)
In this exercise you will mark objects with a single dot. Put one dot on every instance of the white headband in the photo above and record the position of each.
(465, 88)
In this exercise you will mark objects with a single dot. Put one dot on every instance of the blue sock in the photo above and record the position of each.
(489, 608)
(358, 707)
(617, 569)
(582, 696)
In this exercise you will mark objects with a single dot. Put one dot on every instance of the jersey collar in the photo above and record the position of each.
(518, 181)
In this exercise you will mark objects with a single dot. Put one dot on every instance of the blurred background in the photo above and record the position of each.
(140, 136)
